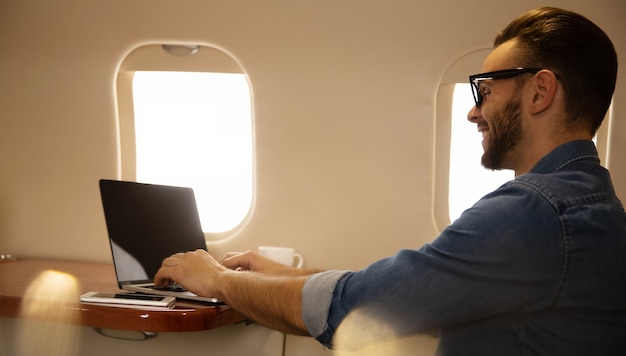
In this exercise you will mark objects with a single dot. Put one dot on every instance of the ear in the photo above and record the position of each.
(545, 84)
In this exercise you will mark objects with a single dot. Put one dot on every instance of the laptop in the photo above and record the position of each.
(147, 223)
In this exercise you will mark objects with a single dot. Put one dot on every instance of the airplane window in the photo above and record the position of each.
(185, 119)
(469, 180)
(194, 129)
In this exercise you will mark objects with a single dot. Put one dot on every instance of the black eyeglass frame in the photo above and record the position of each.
(499, 74)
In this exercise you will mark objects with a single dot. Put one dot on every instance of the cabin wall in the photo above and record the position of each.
(344, 96)
(344, 114)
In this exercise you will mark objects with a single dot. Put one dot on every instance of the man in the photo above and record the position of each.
(536, 267)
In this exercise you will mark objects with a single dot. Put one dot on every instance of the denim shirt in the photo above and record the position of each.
(537, 267)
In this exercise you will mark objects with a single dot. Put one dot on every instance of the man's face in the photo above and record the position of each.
(499, 116)
(504, 135)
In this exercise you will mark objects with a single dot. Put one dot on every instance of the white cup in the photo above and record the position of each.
(284, 255)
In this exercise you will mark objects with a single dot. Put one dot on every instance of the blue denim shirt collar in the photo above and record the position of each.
(566, 154)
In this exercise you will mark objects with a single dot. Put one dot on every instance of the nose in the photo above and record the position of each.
(474, 114)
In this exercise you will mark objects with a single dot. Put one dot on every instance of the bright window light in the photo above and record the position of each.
(469, 180)
(195, 129)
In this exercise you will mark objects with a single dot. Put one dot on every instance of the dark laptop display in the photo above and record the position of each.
(147, 223)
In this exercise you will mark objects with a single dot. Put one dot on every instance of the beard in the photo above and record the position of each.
(506, 133)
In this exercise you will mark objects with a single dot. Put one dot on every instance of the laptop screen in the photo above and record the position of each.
(147, 223)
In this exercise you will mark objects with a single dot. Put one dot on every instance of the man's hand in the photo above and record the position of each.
(197, 271)
(263, 290)
(252, 261)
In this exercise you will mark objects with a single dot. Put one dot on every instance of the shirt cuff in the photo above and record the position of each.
(317, 295)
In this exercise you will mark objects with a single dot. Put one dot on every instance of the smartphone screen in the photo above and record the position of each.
(128, 298)
(138, 296)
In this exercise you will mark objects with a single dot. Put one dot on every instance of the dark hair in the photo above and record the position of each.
(576, 50)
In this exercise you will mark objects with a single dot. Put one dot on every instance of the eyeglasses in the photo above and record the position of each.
(499, 74)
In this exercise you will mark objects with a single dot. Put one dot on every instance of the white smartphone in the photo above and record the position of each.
(128, 299)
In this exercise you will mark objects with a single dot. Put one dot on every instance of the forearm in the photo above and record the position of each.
(293, 272)
(273, 301)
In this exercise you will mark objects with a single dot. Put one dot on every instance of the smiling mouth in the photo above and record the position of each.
(484, 131)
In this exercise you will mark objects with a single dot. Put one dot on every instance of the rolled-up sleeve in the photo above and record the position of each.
(317, 295)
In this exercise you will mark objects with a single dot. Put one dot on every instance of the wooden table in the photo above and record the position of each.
(17, 275)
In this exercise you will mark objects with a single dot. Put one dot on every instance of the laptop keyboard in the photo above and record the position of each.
(171, 288)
